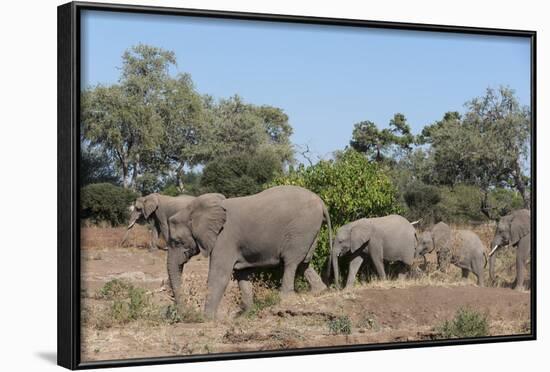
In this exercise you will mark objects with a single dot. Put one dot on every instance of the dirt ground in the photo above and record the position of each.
(375, 312)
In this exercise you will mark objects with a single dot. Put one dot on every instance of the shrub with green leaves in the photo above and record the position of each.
(127, 303)
(105, 202)
(466, 323)
(340, 325)
(351, 186)
(182, 314)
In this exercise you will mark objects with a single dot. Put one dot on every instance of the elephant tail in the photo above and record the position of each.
(329, 228)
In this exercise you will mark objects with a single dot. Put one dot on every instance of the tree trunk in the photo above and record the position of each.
(125, 175)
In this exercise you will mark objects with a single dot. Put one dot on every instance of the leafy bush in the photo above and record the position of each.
(106, 202)
(351, 187)
(340, 325)
(182, 314)
(466, 323)
(115, 289)
(127, 303)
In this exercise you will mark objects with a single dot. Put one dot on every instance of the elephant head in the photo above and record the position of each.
(192, 230)
(143, 208)
(349, 239)
(510, 229)
(425, 245)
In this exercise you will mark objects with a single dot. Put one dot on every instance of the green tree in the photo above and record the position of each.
(123, 118)
(487, 147)
(383, 144)
(96, 167)
(240, 174)
(188, 128)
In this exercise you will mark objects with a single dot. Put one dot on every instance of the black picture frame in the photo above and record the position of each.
(68, 250)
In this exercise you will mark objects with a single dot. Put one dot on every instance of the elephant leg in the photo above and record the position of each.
(378, 262)
(245, 285)
(162, 230)
(521, 259)
(314, 280)
(477, 269)
(153, 244)
(354, 266)
(403, 271)
(174, 263)
(288, 277)
(219, 274)
(479, 278)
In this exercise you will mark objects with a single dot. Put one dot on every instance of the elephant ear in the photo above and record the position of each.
(207, 219)
(359, 236)
(180, 233)
(520, 225)
(150, 204)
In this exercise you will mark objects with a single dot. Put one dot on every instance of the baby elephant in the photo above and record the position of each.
(390, 238)
(466, 252)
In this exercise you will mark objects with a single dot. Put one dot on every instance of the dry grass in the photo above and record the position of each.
(93, 237)
(373, 311)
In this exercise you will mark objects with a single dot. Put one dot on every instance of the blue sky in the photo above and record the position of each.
(325, 78)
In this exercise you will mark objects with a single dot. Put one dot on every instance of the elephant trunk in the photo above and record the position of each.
(175, 263)
(134, 217)
(492, 258)
(334, 260)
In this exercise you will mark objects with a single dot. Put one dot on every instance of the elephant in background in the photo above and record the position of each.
(278, 225)
(390, 238)
(464, 249)
(156, 209)
(513, 229)
(441, 238)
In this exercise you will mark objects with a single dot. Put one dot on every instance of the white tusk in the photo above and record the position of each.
(415, 222)
(493, 251)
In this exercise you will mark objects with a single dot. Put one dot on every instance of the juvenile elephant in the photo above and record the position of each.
(438, 239)
(389, 238)
(157, 209)
(466, 251)
(280, 224)
(513, 229)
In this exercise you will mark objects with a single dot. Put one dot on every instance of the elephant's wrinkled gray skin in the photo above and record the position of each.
(440, 241)
(280, 224)
(157, 209)
(513, 229)
(390, 238)
(466, 251)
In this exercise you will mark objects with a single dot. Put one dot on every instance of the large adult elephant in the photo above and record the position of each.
(157, 209)
(390, 238)
(278, 225)
(513, 229)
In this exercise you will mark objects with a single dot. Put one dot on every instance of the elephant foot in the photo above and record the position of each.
(349, 287)
(285, 295)
(318, 288)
